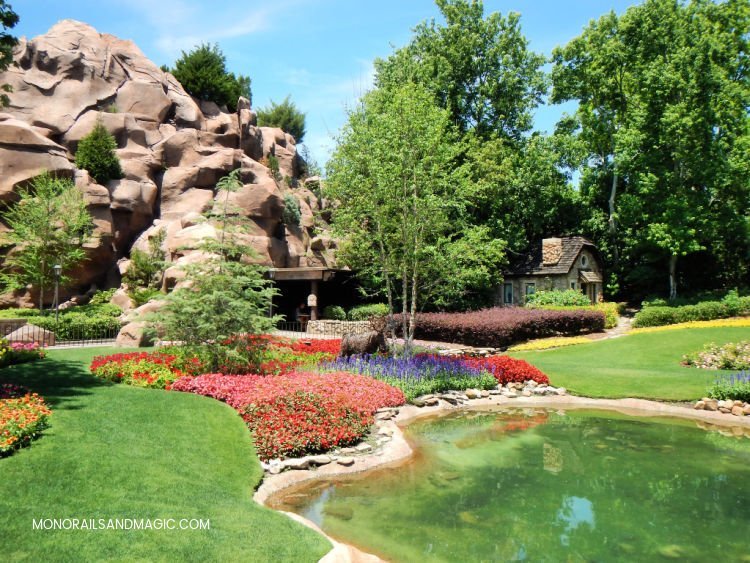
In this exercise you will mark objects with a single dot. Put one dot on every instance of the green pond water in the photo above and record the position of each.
(543, 485)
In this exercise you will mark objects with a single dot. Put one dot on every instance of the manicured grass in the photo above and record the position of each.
(121, 452)
(636, 365)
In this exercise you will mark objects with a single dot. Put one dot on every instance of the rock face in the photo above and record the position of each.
(173, 149)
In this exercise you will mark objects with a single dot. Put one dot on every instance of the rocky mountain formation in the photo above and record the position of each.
(172, 147)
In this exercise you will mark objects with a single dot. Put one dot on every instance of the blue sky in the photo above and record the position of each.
(318, 51)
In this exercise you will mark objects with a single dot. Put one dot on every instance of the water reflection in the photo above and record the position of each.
(575, 511)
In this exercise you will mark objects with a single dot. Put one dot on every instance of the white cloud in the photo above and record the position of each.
(182, 24)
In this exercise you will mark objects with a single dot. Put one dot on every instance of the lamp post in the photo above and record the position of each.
(58, 270)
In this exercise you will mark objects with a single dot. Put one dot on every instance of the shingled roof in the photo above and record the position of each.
(531, 264)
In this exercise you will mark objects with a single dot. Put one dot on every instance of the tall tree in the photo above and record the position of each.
(49, 225)
(392, 172)
(8, 20)
(286, 116)
(479, 68)
(663, 98)
(226, 297)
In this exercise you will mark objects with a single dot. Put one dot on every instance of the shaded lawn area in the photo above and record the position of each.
(114, 451)
(636, 365)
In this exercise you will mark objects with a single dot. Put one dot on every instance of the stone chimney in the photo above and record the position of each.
(551, 251)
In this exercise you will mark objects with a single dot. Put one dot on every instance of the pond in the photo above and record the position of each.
(546, 485)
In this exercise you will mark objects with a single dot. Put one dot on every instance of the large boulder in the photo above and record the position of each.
(24, 154)
(32, 334)
(134, 335)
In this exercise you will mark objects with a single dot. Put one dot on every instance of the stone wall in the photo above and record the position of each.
(338, 328)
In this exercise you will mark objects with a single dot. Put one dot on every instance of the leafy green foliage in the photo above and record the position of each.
(146, 269)
(273, 165)
(103, 296)
(96, 154)
(334, 313)
(393, 169)
(49, 225)
(286, 116)
(291, 215)
(514, 188)
(661, 138)
(141, 296)
(704, 311)
(227, 297)
(8, 20)
(564, 298)
(479, 68)
(735, 387)
(95, 320)
(366, 312)
(203, 74)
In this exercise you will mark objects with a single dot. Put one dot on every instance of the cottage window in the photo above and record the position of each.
(508, 293)
(584, 261)
(572, 285)
(530, 288)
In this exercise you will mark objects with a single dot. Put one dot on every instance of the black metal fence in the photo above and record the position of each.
(18, 330)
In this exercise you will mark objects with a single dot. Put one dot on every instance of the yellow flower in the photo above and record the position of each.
(546, 343)
(718, 323)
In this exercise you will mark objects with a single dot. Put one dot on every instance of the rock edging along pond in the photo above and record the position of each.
(397, 450)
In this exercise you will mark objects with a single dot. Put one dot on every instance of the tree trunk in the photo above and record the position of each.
(404, 311)
(612, 220)
(413, 311)
(673, 277)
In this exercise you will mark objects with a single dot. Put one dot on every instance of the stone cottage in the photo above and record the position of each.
(555, 263)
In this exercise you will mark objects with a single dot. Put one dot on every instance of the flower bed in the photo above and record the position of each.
(299, 412)
(231, 389)
(420, 375)
(508, 370)
(503, 326)
(23, 415)
(735, 387)
(734, 355)
(548, 343)
(269, 355)
(740, 322)
(19, 352)
(284, 356)
(143, 369)
(301, 423)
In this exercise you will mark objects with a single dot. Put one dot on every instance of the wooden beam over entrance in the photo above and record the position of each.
(301, 274)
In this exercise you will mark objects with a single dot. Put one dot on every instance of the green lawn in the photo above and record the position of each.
(637, 365)
(122, 452)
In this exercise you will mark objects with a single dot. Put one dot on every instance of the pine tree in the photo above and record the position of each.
(96, 154)
(285, 116)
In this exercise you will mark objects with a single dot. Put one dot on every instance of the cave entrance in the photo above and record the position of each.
(313, 287)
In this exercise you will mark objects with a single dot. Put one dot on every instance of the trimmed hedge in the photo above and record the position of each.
(611, 311)
(77, 323)
(730, 306)
(366, 312)
(334, 313)
(557, 297)
(503, 326)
